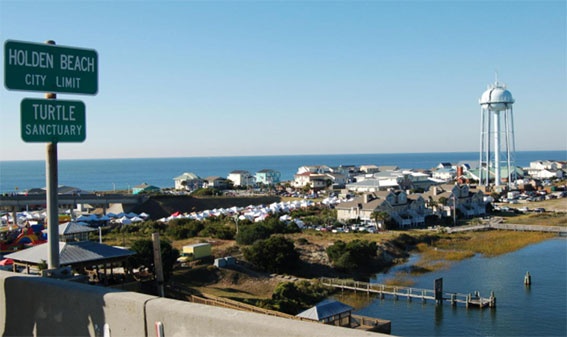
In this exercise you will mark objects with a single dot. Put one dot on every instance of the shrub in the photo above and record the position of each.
(302, 241)
(206, 192)
(180, 230)
(353, 255)
(247, 235)
(275, 254)
(218, 231)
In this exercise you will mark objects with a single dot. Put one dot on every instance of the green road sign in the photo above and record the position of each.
(45, 120)
(50, 68)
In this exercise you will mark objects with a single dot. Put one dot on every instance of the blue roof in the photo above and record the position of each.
(325, 309)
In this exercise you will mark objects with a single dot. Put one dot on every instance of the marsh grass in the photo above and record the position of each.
(399, 280)
(490, 243)
(429, 253)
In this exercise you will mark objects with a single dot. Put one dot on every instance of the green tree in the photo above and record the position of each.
(144, 257)
(293, 297)
(275, 254)
(380, 216)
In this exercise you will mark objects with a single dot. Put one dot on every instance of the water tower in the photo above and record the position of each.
(497, 145)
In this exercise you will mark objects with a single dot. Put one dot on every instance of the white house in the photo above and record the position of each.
(241, 178)
(547, 174)
(315, 181)
(314, 169)
(543, 165)
(369, 168)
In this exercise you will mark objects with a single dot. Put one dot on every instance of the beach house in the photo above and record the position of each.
(267, 177)
(188, 181)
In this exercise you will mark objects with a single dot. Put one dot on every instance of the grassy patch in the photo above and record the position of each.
(541, 219)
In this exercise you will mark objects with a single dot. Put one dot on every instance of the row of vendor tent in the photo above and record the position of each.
(120, 218)
(22, 217)
(255, 213)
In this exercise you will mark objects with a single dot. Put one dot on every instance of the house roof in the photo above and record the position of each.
(70, 253)
(239, 172)
(375, 200)
(266, 171)
(388, 168)
(146, 185)
(446, 170)
(203, 244)
(325, 309)
(213, 178)
(187, 176)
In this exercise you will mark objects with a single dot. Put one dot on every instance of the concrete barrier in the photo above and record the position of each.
(41, 306)
(38, 306)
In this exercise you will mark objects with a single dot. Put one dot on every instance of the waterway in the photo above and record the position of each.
(538, 310)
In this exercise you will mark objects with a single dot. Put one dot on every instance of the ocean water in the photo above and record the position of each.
(107, 174)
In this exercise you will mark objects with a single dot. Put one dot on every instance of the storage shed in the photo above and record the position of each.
(198, 250)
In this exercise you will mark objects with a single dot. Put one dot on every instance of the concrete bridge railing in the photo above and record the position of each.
(32, 305)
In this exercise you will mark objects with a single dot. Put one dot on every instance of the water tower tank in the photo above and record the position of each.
(496, 98)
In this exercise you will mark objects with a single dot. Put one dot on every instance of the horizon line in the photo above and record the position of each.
(272, 155)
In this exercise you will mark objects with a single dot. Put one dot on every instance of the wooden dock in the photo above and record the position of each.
(410, 294)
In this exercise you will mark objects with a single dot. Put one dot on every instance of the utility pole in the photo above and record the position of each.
(454, 210)
(158, 267)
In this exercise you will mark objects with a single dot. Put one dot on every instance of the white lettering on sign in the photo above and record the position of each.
(51, 112)
(35, 79)
(26, 58)
(53, 130)
(78, 63)
(67, 82)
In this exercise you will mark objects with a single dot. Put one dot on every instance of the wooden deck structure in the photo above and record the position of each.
(411, 293)
(357, 321)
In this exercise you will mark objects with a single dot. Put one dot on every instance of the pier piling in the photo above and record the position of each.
(528, 279)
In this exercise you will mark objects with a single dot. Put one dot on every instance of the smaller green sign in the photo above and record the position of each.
(45, 120)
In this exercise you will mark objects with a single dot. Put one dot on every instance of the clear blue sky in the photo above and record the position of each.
(187, 78)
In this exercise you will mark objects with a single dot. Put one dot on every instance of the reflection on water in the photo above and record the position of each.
(539, 310)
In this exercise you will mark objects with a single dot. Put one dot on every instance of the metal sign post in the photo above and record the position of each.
(51, 195)
(438, 286)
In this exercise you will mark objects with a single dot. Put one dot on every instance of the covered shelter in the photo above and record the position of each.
(72, 231)
(78, 255)
(329, 312)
